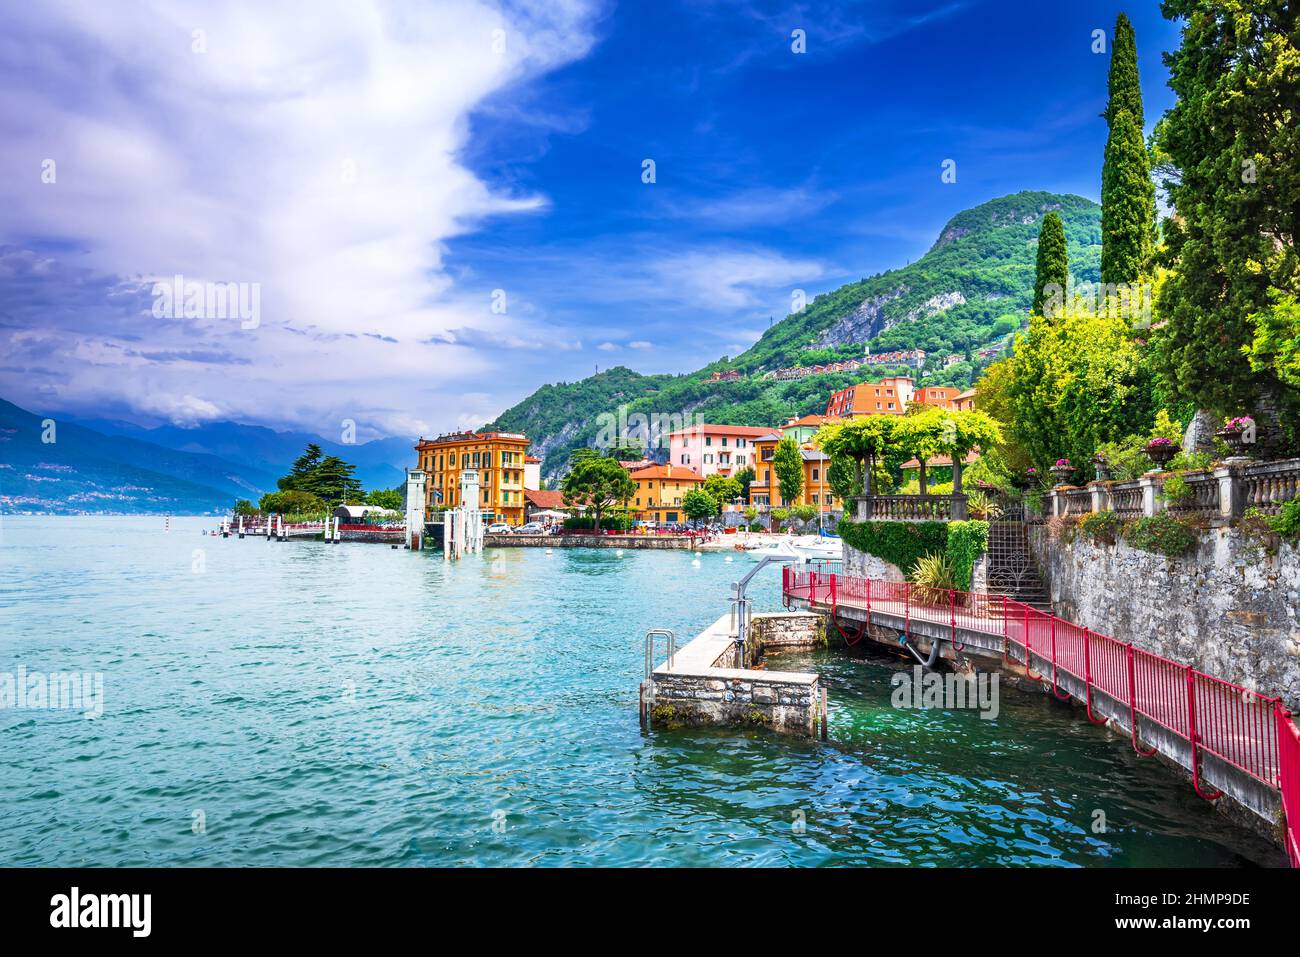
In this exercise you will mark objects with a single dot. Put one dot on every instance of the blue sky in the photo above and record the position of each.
(384, 173)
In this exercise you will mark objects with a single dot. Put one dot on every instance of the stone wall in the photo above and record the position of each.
(863, 565)
(1228, 609)
(732, 697)
(785, 631)
(703, 684)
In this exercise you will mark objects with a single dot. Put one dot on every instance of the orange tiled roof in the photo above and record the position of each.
(676, 472)
(546, 498)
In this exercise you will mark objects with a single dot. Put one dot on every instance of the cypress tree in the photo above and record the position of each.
(1128, 197)
(1123, 88)
(1052, 267)
(1128, 203)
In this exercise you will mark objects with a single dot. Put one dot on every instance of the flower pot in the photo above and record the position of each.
(1233, 438)
(1062, 473)
(1161, 455)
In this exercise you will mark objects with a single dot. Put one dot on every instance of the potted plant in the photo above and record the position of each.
(1237, 432)
(1102, 466)
(1062, 470)
(1160, 451)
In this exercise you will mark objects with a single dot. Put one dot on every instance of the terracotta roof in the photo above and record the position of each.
(532, 460)
(810, 420)
(668, 472)
(942, 461)
(546, 498)
(743, 430)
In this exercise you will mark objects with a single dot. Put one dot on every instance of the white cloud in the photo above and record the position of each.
(725, 278)
(313, 148)
(640, 344)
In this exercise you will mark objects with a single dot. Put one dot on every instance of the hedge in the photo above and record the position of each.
(904, 543)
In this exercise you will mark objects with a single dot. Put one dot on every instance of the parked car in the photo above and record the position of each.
(498, 528)
(532, 528)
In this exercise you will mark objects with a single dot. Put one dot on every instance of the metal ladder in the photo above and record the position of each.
(648, 685)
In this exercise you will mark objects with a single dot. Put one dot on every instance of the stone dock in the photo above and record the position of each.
(706, 683)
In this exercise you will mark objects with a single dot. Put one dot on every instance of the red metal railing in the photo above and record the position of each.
(1288, 738)
(1250, 731)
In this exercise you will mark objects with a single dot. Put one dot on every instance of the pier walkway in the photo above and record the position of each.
(1230, 738)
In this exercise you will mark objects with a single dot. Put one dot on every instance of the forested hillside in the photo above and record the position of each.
(967, 294)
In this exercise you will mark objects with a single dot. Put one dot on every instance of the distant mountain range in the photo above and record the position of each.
(967, 295)
(102, 466)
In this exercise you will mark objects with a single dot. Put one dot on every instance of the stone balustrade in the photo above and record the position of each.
(911, 508)
(1220, 495)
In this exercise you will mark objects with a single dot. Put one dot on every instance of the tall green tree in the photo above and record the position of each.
(787, 463)
(597, 483)
(334, 482)
(1128, 197)
(1071, 384)
(865, 448)
(1052, 268)
(1123, 86)
(1128, 204)
(302, 474)
(698, 504)
(722, 489)
(1231, 143)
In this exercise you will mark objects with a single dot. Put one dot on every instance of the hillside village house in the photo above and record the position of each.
(889, 396)
(659, 492)
(765, 490)
(499, 459)
(714, 449)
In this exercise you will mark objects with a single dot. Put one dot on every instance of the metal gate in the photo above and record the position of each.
(1011, 570)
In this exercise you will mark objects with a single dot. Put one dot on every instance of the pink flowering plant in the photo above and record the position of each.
(1239, 424)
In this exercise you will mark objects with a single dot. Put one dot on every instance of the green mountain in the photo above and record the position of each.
(967, 295)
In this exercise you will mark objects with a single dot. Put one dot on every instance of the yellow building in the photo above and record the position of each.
(498, 457)
(765, 489)
(659, 492)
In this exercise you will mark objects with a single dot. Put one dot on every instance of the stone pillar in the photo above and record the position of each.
(959, 511)
(1232, 500)
(1100, 496)
(415, 480)
(1151, 500)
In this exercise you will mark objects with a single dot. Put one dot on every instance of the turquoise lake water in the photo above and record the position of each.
(358, 705)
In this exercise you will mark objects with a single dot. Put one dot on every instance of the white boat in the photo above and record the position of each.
(804, 548)
(820, 550)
